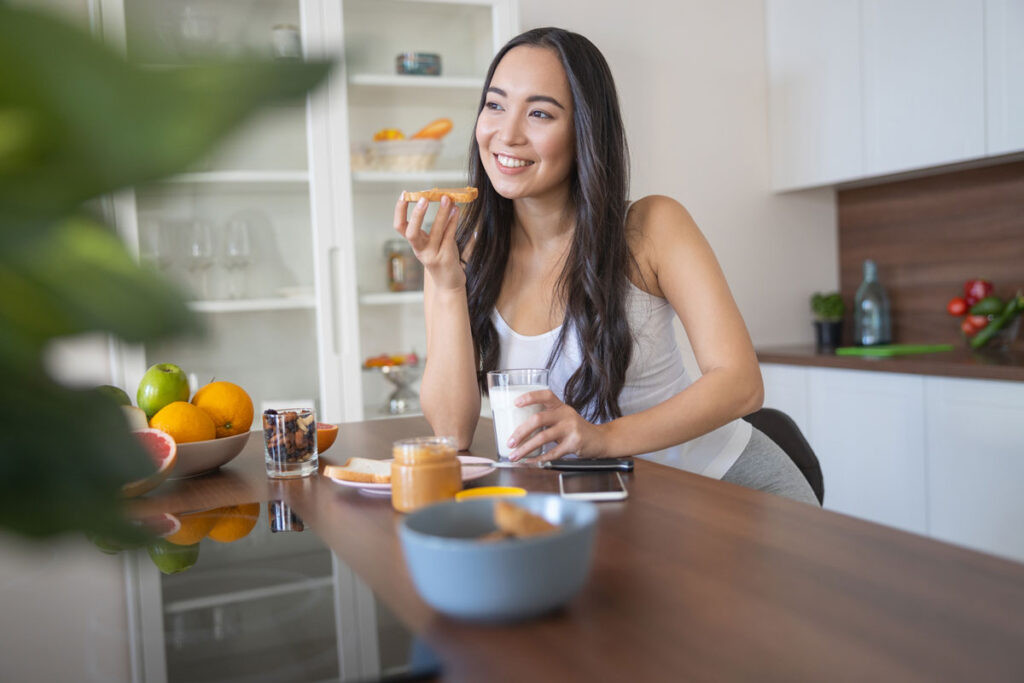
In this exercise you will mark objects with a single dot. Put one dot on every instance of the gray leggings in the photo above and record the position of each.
(765, 467)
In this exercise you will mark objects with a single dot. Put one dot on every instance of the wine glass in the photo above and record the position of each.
(155, 247)
(237, 256)
(200, 256)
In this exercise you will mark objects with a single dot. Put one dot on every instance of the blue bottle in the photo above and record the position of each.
(871, 322)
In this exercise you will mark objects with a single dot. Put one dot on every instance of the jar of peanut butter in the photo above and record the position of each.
(424, 471)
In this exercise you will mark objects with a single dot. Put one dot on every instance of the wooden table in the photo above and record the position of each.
(693, 579)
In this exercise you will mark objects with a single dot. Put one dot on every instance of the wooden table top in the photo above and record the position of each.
(693, 579)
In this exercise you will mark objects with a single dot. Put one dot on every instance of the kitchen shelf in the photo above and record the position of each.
(220, 599)
(421, 177)
(403, 81)
(242, 177)
(389, 298)
(248, 305)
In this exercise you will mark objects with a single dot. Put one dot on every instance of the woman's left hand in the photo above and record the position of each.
(556, 423)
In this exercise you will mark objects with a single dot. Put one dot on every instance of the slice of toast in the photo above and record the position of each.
(458, 194)
(363, 470)
(515, 521)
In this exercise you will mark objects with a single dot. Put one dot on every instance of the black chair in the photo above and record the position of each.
(781, 429)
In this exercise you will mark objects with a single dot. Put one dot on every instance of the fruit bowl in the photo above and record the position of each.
(199, 457)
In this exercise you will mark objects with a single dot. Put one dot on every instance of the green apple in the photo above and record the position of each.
(117, 394)
(162, 384)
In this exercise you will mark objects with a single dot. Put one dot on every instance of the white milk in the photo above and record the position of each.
(508, 416)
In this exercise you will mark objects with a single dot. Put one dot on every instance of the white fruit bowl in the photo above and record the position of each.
(199, 457)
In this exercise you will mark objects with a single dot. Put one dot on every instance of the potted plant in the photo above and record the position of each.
(828, 310)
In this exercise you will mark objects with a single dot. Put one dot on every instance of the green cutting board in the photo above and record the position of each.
(886, 350)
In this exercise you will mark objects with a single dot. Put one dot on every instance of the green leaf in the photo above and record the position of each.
(78, 121)
(66, 453)
(77, 277)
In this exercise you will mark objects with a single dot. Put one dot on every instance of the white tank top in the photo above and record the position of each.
(655, 374)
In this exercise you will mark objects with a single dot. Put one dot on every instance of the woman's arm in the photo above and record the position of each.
(448, 392)
(676, 263)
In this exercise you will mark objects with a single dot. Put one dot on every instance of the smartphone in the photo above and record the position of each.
(592, 485)
(590, 464)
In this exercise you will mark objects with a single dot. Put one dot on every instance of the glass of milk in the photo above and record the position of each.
(503, 388)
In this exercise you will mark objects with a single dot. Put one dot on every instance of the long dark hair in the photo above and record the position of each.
(595, 278)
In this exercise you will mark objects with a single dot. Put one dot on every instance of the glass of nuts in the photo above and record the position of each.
(289, 438)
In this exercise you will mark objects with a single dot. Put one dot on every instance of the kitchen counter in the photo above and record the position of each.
(957, 363)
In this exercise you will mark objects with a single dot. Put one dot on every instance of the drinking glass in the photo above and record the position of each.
(503, 388)
(237, 256)
(200, 256)
(289, 439)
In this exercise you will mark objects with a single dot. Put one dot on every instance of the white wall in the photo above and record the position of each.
(692, 80)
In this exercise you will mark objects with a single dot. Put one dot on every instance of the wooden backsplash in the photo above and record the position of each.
(928, 235)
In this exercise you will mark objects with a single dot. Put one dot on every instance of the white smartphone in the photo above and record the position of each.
(592, 485)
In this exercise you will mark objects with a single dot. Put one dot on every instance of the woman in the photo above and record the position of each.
(552, 267)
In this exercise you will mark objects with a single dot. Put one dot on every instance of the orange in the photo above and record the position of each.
(184, 422)
(236, 521)
(194, 527)
(228, 405)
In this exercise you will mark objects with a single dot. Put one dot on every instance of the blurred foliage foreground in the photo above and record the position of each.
(78, 122)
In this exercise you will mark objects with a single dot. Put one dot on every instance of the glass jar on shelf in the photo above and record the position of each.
(404, 271)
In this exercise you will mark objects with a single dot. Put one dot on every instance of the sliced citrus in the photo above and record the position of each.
(236, 521)
(325, 436)
(184, 422)
(163, 451)
(228, 406)
(194, 527)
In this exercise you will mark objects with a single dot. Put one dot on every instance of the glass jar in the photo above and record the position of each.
(425, 470)
(404, 271)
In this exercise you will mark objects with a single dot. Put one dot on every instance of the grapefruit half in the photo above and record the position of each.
(325, 436)
(163, 451)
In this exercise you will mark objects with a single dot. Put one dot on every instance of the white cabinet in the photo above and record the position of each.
(932, 455)
(1004, 84)
(871, 88)
(976, 463)
(924, 87)
(867, 431)
(815, 91)
(315, 301)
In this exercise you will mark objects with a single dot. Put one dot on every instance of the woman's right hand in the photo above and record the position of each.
(437, 250)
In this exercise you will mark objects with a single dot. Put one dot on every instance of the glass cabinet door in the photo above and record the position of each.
(239, 232)
(408, 63)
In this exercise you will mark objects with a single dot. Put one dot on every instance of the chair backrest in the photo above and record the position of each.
(781, 429)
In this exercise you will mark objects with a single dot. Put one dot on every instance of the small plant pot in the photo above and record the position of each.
(828, 335)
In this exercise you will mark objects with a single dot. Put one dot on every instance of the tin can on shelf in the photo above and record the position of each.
(425, 470)
(418, 64)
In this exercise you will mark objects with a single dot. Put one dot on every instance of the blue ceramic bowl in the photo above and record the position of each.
(498, 580)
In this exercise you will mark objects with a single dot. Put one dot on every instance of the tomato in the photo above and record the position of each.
(957, 306)
(976, 290)
(978, 321)
(967, 327)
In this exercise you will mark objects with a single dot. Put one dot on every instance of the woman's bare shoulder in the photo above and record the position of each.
(655, 225)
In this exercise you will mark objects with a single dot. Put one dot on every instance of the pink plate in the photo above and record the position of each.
(473, 467)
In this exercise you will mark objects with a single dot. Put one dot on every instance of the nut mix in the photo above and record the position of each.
(290, 435)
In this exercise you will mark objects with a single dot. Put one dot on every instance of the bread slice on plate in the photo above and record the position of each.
(363, 470)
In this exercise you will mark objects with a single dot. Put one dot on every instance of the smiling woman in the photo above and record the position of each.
(554, 267)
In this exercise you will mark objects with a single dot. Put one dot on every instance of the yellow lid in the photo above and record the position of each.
(489, 491)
